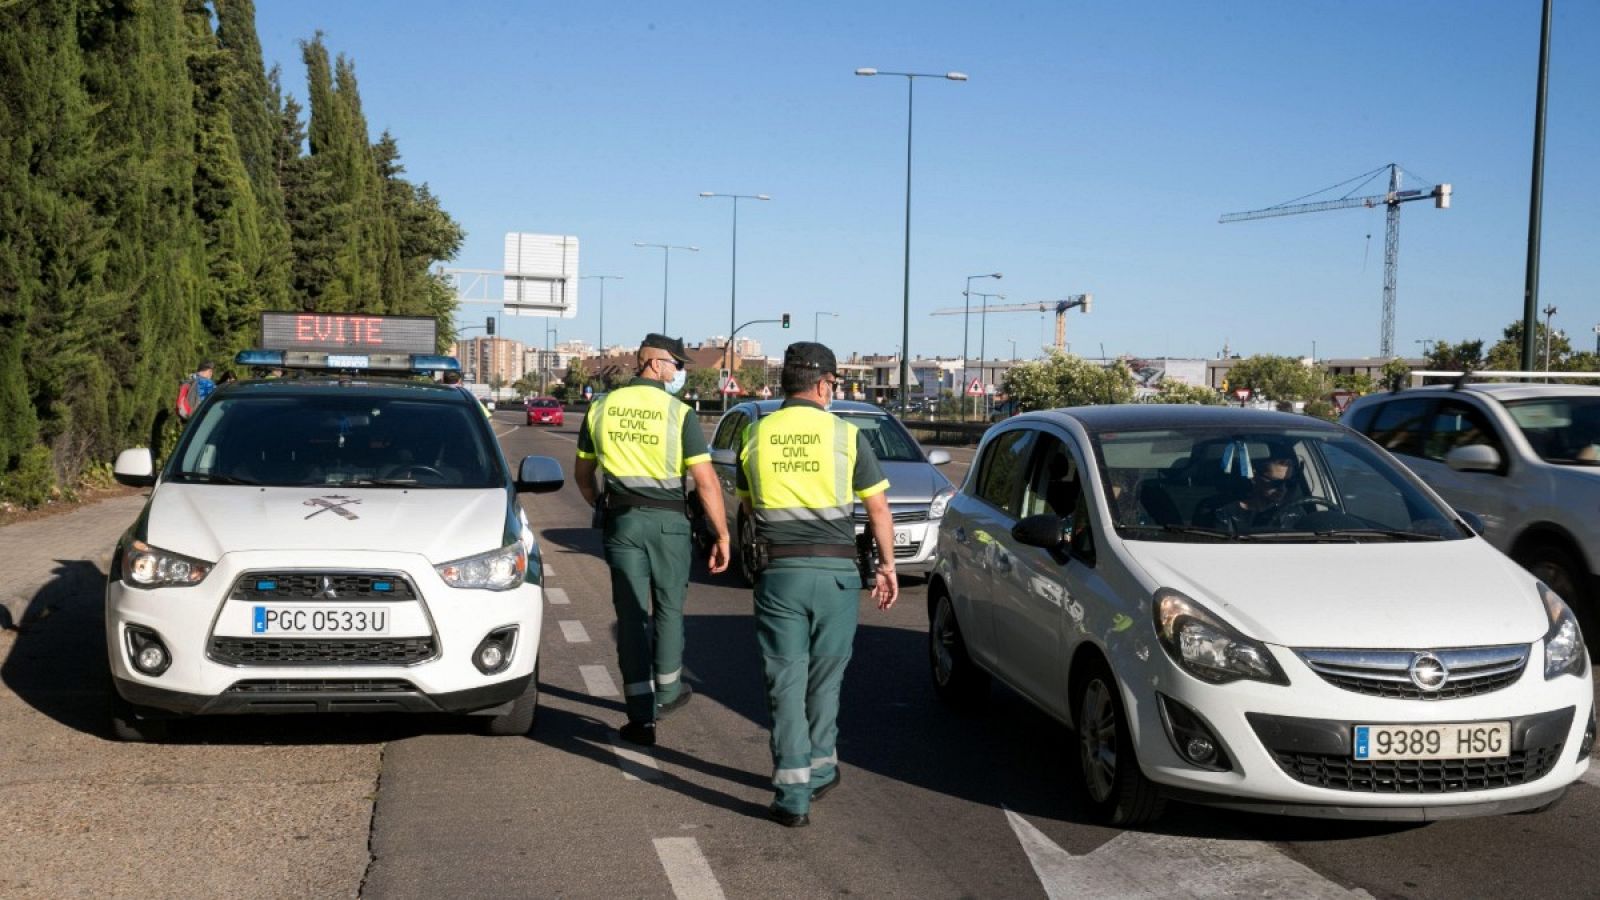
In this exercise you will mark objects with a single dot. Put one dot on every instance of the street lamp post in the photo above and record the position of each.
(666, 257)
(905, 303)
(544, 360)
(1549, 311)
(600, 348)
(733, 282)
(816, 322)
(966, 315)
(983, 338)
(1013, 349)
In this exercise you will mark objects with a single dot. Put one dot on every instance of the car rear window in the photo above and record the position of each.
(546, 403)
(1563, 430)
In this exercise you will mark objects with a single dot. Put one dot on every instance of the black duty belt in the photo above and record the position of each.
(791, 551)
(618, 501)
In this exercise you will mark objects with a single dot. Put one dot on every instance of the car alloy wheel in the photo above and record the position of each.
(1097, 741)
(956, 679)
(1119, 793)
(747, 551)
(942, 644)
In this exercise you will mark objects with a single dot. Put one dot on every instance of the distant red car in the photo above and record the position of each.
(545, 411)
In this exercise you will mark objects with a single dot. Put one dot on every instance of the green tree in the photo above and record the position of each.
(1179, 392)
(1506, 354)
(1064, 380)
(1360, 382)
(1280, 378)
(1465, 356)
(1396, 375)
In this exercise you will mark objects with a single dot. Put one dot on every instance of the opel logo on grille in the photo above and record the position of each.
(326, 591)
(1428, 672)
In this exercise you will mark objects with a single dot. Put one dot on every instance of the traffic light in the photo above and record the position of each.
(489, 324)
(786, 320)
(1088, 302)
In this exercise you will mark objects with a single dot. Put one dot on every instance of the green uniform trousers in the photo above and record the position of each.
(806, 611)
(648, 551)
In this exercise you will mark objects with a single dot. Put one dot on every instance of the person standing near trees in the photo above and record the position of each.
(195, 389)
(644, 440)
(800, 473)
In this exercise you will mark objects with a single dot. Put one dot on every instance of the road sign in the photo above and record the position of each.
(975, 389)
(588, 392)
(766, 392)
(731, 386)
(1341, 399)
(1241, 394)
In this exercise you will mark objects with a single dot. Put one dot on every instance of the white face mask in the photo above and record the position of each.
(676, 384)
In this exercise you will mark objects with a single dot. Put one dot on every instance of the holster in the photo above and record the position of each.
(867, 558)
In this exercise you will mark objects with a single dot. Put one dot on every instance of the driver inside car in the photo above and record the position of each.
(1265, 503)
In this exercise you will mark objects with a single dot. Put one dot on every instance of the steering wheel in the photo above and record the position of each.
(1299, 509)
(414, 469)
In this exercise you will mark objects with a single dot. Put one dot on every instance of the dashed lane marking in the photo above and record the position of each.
(597, 681)
(636, 764)
(687, 869)
(574, 632)
(557, 596)
(548, 571)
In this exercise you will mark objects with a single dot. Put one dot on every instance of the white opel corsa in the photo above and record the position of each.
(328, 544)
(1254, 610)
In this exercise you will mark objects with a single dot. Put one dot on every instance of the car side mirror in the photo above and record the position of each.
(1473, 520)
(135, 468)
(1043, 530)
(1474, 458)
(725, 457)
(938, 457)
(539, 475)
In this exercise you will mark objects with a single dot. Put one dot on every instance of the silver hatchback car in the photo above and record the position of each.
(918, 491)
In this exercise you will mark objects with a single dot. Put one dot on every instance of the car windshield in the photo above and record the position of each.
(546, 403)
(1280, 485)
(1562, 430)
(344, 439)
(890, 442)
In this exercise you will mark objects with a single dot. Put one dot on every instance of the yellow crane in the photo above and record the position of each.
(1078, 301)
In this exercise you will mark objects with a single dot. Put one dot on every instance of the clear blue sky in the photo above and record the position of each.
(1093, 150)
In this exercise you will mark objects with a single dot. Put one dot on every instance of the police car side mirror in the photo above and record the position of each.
(1043, 530)
(539, 475)
(938, 457)
(1472, 520)
(135, 468)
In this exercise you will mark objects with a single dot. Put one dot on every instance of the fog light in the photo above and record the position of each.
(1587, 743)
(145, 649)
(1191, 737)
(1199, 750)
(493, 653)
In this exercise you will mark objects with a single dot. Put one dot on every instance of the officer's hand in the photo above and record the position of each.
(885, 588)
(719, 556)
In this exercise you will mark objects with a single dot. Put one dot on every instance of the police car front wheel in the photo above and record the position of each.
(519, 718)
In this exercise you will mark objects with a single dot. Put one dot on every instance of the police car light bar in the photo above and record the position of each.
(419, 363)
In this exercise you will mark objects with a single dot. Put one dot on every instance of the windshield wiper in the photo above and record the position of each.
(214, 478)
(1353, 535)
(384, 482)
(1217, 533)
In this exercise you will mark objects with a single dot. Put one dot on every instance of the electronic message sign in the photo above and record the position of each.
(348, 333)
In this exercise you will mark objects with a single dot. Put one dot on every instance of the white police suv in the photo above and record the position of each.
(333, 542)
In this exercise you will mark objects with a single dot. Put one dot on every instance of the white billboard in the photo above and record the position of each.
(541, 275)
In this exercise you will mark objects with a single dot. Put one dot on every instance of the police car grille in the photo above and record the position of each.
(906, 552)
(1437, 776)
(322, 686)
(315, 586)
(900, 516)
(318, 652)
(1385, 673)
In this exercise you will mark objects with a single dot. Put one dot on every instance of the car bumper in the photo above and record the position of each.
(916, 555)
(219, 666)
(1289, 749)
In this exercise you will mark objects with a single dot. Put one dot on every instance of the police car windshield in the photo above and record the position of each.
(890, 442)
(339, 439)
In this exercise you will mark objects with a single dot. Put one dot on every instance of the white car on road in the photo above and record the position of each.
(1255, 610)
(328, 544)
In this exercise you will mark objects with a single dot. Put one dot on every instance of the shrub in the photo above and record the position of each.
(33, 482)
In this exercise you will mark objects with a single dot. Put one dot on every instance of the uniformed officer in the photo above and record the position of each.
(645, 440)
(800, 473)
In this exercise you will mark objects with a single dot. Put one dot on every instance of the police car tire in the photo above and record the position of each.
(747, 542)
(963, 685)
(126, 725)
(519, 720)
(1133, 799)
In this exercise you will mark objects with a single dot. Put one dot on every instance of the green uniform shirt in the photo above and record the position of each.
(865, 478)
(644, 439)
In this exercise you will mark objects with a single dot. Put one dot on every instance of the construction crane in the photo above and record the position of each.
(1439, 193)
(1080, 301)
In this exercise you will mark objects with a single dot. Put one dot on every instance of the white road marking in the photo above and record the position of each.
(501, 434)
(597, 681)
(557, 596)
(636, 764)
(1139, 866)
(687, 869)
(574, 632)
(548, 571)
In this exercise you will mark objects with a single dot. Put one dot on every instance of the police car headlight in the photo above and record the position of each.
(941, 502)
(1564, 653)
(148, 566)
(498, 570)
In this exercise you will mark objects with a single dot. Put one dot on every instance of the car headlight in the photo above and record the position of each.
(148, 566)
(497, 570)
(1207, 647)
(1564, 653)
(941, 502)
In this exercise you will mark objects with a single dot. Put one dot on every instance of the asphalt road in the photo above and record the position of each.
(933, 803)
